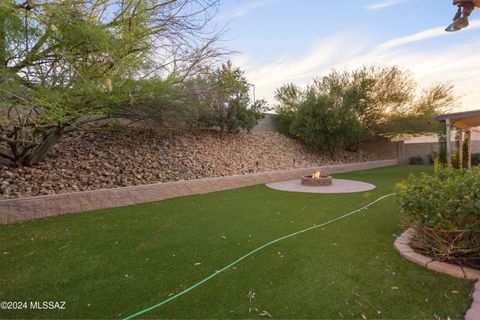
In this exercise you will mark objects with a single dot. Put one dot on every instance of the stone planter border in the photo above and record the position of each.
(402, 245)
(21, 209)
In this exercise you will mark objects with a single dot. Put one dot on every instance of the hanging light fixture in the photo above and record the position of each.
(28, 5)
(460, 20)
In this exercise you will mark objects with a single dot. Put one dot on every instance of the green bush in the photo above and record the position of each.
(342, 109)
(315, 124)
(442, 154)
(319, 123)
(221, 98)
(456, 154)
(455, 160)
(432, 157)
(475, 159)
(445, 210)
(288, 99)
(243, 117)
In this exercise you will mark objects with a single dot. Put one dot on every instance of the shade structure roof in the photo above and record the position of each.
(475, 2)
(462, 120)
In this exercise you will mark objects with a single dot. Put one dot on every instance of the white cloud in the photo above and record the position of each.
(423, 35)
(294, 68)
(383, 4)
(247, 8)
(457, 64)
(299, 69)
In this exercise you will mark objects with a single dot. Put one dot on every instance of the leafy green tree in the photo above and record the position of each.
(418, 114)
(317, 124)
(222, 97)
(360, 104)
(157, 102)
(65, 64)
(288, 99)
(320, 123)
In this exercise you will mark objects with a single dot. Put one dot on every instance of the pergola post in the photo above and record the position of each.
(449, 146)
(460, 148)
(469, 162)
(464, 122)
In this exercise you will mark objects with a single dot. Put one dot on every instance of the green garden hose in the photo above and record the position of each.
(216, 273)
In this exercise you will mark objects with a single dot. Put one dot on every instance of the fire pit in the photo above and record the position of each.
(317, 180)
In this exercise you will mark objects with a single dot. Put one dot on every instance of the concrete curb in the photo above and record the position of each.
(21, 209)
(402, 246)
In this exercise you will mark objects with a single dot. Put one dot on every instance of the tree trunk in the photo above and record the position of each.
(40, 151)
(3, 43)
(3, 57)
(6, 162)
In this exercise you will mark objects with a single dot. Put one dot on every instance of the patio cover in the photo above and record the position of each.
(464, 122)
(475, 2)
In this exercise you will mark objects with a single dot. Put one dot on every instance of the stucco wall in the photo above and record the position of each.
(382, 147)
(425, 149)
(267, 123)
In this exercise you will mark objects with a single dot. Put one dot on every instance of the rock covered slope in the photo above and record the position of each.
(89, 161)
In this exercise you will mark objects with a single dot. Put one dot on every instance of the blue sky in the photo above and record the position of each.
(282, 41)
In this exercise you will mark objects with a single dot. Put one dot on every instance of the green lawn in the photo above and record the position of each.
(112, 263)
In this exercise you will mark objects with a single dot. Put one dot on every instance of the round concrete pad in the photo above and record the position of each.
(338, 186)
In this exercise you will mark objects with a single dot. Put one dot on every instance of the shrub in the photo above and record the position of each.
(442, 154)
(384, 100)
(416, 161)
(455, 160)
(319, 123)
(314, 125)
(243, 117)
(445, 210)
(456, 154)
(475, 159)
(289, 98)
(432, 157)
(356, 105)
(222, 100)
(466, 143)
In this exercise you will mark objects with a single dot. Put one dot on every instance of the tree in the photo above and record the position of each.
(65, 64)
(222, 97)
(288, 99)
(320, 123)
(418, 115)
(342, 109)
(370, 93)
(317, 124)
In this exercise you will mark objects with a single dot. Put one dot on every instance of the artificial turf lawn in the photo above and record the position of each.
(112, 263)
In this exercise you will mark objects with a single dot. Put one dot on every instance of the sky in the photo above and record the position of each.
(294, 41)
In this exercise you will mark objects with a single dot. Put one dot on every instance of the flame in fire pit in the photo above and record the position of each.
(317, 175)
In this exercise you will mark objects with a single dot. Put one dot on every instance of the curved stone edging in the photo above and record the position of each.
(402, 245)
(21, 209)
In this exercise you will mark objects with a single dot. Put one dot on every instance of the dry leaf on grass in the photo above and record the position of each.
(265, 314)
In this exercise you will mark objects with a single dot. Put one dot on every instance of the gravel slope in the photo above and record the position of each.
(89, 161)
